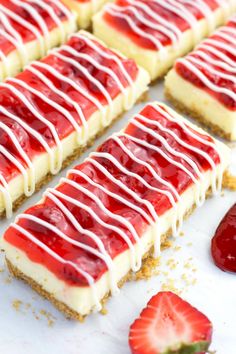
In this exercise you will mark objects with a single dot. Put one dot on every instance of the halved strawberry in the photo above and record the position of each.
(170, 325)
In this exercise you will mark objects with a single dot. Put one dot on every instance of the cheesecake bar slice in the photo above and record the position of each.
(156, 32)
(203, 84)
(28, 29)
(85, 9)
(81, 241)
(55, 108)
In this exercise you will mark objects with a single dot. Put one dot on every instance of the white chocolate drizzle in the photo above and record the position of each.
(144, 14)
(209, 55)
(140, 205)
(18, 86)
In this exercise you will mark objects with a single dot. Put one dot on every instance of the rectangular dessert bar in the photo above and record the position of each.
(156, 32)
(79, 243)
(85, 9)
(203, 84)
(55, 108)
(28, 29)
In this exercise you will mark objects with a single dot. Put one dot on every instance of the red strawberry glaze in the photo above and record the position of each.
(27, 36)
(223, 245)
(191, 77)
(62, 125)
(123, 26)
(112, 241)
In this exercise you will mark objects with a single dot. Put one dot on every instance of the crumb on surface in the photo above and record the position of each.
(16, 304)
(229, 181)
(148, 269)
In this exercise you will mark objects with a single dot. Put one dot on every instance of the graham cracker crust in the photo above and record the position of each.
(76, 154)
(147, 263)
(182, 108)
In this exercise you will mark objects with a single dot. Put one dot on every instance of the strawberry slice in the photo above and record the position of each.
(170, 325)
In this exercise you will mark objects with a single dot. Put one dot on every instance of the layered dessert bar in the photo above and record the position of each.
(203, 84)
(85, 9)
(82, 240)
(56, 107)
(28, 29)
(156, 32)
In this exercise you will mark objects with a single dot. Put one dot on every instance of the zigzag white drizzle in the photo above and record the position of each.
(201, 57)
(16, 39)
(56, 153)
(57, 197)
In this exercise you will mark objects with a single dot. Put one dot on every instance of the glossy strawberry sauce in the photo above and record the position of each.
(223, 245)
(113, 243)
(123, 26)
(5, 45)
(63, 127)
(213, 77)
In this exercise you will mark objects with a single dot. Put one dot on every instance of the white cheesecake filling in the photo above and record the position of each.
(151, 60)
(85, 11)
(201, 103)
(41, 162)
(82, 299)
(14, 63)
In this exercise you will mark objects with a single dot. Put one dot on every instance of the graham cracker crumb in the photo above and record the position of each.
(50, 318)
(148, 269)
(169, 285)
(16, 304)
(229, 181)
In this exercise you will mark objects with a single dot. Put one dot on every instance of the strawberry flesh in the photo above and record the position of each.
(170, 325)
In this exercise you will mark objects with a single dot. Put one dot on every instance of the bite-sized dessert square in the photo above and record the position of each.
(28, 29)
(156, 32)
(56, 107)
(82, 240)
(85, 9)
(203, 84)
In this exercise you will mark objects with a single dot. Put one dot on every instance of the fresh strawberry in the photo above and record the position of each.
(170, 325)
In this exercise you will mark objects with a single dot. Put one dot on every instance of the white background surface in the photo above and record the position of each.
(214, 292)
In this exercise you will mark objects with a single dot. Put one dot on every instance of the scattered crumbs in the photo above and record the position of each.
(148, 269)
(167, 244)
(222, 194)
(181, 234)
(189, 244)
(172, 263)
(229, 181)
(104, 311)
(8, 279)
(188, 280)
(16, 304)
(1, 270)
(177, 248)
(169, 285)
(50, 318)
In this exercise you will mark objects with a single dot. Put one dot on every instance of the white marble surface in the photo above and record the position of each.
(214, 291)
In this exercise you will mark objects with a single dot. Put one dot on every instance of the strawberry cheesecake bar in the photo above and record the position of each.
(56, 107)
(203, 84)
(85, 9)
(81, 241)
(28, 29)
(156, 32)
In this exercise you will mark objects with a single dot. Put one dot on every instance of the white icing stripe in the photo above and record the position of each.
(38, 19)
(30, 181)
(50, 102)
(208, 59)
(102, 253)
(186, 62)
(216, 52)
(33, 110)
(116, 11)
(14, 37)
(134, 265)
(100, 87)
(216, 43)
(100, 67)
(26, 25)
(53, 254)
(167, 114)
(145, 7)
(34, 133)
(69, 14)
(4, 188)
(210, 69)
(54, 17)
(205, 10)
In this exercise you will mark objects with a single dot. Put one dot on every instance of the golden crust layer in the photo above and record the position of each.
(144, 273)
(182, 108)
